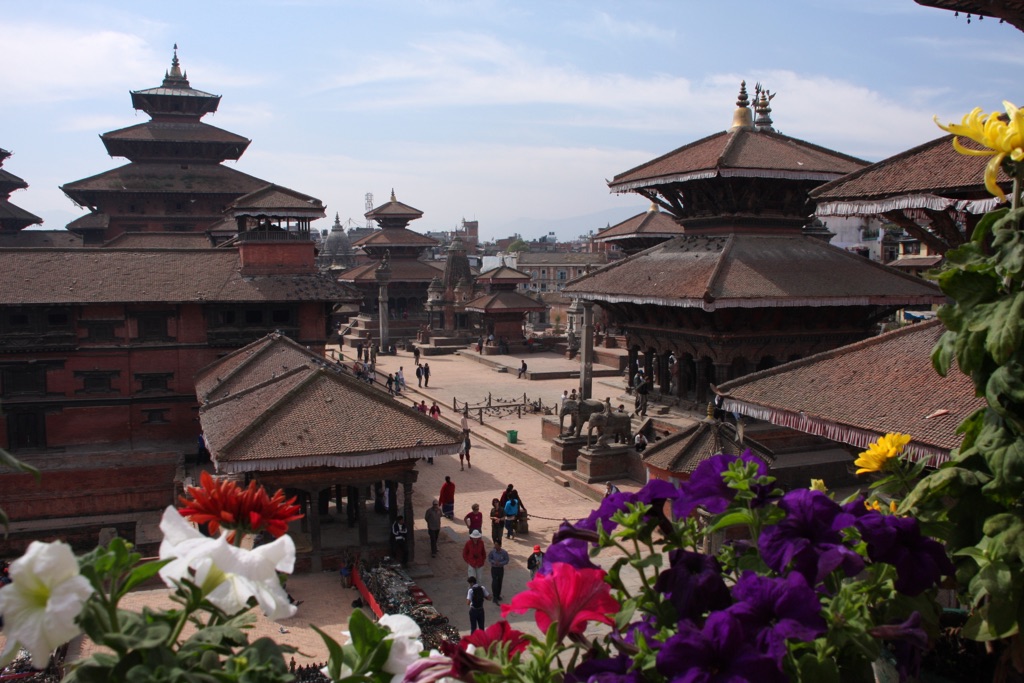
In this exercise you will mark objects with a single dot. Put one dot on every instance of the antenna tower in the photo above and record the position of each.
(369, 208)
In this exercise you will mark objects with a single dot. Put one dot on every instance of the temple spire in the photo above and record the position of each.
(762, 108)
(742, 118)
(175, 78)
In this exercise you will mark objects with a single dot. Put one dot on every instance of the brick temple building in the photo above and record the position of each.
(99, 346)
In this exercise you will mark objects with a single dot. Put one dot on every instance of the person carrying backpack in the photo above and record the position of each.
(475, 598)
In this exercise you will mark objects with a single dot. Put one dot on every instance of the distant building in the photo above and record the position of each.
(551, 271)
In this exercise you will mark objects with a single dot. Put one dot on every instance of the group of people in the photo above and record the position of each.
(422, 372)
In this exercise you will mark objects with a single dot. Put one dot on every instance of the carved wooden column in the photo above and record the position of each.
(587, 352)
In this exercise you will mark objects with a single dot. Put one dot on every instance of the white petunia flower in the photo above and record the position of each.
(405, 644)
(228, 575)
(39, 607)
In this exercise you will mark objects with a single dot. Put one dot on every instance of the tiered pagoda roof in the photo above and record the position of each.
(642, 230)
(748, 177)
(394, 236)
(12, 218)
(741, 197)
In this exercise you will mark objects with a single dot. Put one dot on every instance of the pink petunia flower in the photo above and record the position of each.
(499, 632)
(568, 596)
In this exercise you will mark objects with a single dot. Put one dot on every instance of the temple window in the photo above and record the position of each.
(26, 428)
(154, 381)
(97, 381)
(24, 380)
(155, 416)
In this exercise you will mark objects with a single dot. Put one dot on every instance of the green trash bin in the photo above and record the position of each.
(513, 435)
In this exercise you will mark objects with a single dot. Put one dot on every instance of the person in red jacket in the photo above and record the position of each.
(447, 498)
(475, 554)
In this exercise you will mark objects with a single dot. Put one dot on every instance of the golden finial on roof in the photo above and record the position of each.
(742, 117)
(654, 208)
(393, 195)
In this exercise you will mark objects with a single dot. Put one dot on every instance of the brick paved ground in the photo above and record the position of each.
(328, 605)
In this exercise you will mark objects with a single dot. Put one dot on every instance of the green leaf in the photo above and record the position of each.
(810, 669)
(968, 288)
(142, 573)
(1004, 321)
(942, 354)
(984, 226)
(733, 518)
(335, 656)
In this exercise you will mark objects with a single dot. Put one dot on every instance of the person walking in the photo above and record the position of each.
(522, 370)
(419, 375)
(400, 379)
(465, 421)
(511, 513)
(435, 411)
(464, 451)
(447, 498)
(426, 374)
(422, 407)
(398, 533)
(497, 559)
(433, 519)
(642, 387)
(416, 355)
(474, 519)
(497, 520)
(390, 384)
(535, 560)
(475, 598)
(474, 553)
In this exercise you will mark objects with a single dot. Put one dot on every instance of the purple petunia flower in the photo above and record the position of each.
(706, 488)
(809, 538)
(909, 641)
(614, 670)
(718, 653)
(654, 493)
(920, 561)
(777, 609)
(570, 545)
(693, 584)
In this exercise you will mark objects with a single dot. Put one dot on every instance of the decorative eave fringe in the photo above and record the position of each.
(762, 302)
(861, 438)
(874, 207)
(227, 466)
(727, 173)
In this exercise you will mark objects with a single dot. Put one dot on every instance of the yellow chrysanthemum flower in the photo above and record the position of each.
(879, 453)
(1002, 138)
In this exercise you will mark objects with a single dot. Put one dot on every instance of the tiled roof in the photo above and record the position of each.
(393, 209)
(176, 131)
(285, 414)
(651, 223)
(543, 258)
(71, 276)
(395, 237)
(30, 239)
(856, 393)
(402, 270)
(504, 302)
(274, 200)
(90, 221)
(16, 214)
(167, 178)
(916, 262)
(502, 274)
(682, 452)
(159, 240)
(745, 270)
(10, 181)
(920, 177)
(740, 152)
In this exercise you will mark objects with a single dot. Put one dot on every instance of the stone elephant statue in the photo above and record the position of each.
(609, 424)
(579, 412)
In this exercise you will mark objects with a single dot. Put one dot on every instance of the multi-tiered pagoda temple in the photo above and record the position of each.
(744, 288)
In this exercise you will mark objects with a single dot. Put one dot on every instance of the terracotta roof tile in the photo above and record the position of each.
(167, 178)
(743, 270)
(68, 276)
(504, 301)
(31, 239)
(397, 237)
(176, 131)
(932, 168)
(160, 240)
(313, 415)
(741, 152)
(650, 223)
(859, 392)
(403, 270)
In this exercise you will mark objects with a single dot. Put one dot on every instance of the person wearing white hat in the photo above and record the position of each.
(475, 555)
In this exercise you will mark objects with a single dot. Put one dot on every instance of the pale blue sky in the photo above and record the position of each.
(510, 113)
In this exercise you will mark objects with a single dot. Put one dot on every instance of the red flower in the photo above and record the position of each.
(499, 632)
(568, 596)
(222, 503)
